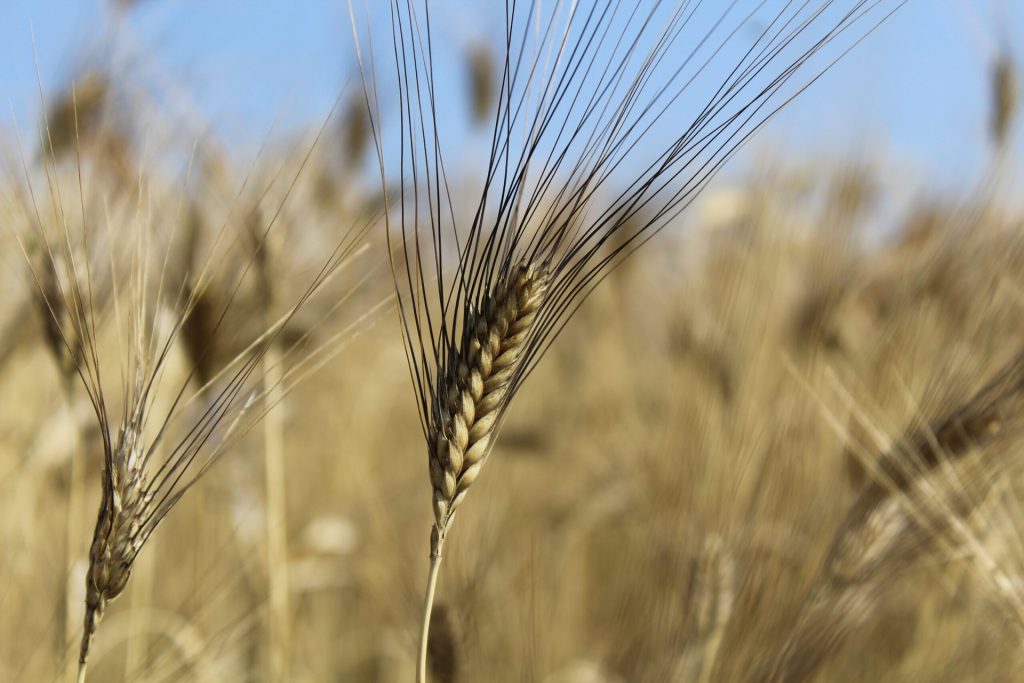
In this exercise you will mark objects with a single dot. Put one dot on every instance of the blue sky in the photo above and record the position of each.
(916, 91)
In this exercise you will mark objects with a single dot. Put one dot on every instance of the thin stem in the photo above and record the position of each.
(277, 539)
(89, 626)
(93, 614)
(436, 541)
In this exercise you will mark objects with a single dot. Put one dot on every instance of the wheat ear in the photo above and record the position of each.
(898, 516)
(469, 402)
(119, 535)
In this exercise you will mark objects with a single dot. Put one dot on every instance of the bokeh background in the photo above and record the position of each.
(918, 93)
(668, 486)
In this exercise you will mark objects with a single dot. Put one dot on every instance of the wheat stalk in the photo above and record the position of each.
(275, 472)
(443, 655)
(1005, 90)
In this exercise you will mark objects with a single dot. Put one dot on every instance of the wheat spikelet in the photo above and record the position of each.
(1005, 99)
(471, 398)
(480, 74)
(77, 114)
(54, 316)
(355, 132)
(709, 604)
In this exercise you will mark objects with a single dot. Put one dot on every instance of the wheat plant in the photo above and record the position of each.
(653, 97)
(160, 432)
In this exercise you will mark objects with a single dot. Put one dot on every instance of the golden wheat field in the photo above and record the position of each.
(782, 443)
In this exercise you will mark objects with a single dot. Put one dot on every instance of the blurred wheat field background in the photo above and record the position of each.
(783, 444)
